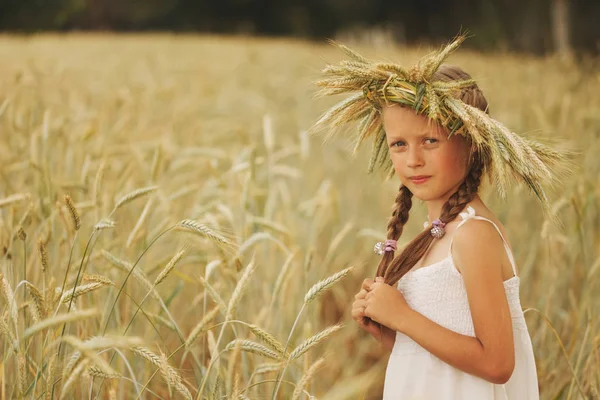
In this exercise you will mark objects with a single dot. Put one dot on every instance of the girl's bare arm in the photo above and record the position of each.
(461, 351)
(479, 252)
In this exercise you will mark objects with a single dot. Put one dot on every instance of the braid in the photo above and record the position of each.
(393, 268)
(396, 223)
(456, 203)
(399, 217)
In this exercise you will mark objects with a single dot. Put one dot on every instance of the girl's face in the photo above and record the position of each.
(419, 146)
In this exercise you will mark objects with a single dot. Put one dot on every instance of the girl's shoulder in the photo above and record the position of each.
(493, 223)
(481, 237)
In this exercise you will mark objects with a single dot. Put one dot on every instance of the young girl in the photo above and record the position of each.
(448, 305)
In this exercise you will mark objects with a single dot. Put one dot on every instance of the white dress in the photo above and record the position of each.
(438, 292)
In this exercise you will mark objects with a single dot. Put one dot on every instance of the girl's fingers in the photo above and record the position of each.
(361, 294)
(358, 316)
(366, 285)
(358, 309)
(359, 304)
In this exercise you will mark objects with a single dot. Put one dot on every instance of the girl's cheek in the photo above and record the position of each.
(396, 157)
(448, 158)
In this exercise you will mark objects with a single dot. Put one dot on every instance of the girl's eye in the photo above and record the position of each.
(401, 143)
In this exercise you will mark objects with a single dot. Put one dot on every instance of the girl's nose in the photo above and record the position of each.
(415, 158)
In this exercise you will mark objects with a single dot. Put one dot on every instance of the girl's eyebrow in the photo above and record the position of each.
(422, 135)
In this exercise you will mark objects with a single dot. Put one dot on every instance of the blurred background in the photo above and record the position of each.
(534, 26)
(158, 190)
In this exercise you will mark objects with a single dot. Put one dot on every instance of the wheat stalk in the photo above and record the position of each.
(97, 278)
(73, 360)
(80, 290)
(203, 230)
(73, 376)
(212, 344)
(140, 222)
(239, 290)
(307, 377)
(235, 297)
(310, 295)
(216, 392)
(156, 162)
(104, 223)
(213, 294)
(22, 235)
(325, 284)
(122, 264)
(281, 277)
(97, 372)
(313, 341)
(169, 373)
(14, 198)
(39, 305)
(88, 349)
(235, 393)
(269, 224)
(98, 183)
(8, 334)
(132, 196)
(267, 338)
(43, 255)
(169, 267)
(59, 319)
(50, 375)
(252, 347)
(73, 212)
(10, 299)
(200, 325)
(68, 226)
(162, 321)
(101, 342)
(137, 274)
(267, 367)
(257, 237)
(21, 375)
(231, 368)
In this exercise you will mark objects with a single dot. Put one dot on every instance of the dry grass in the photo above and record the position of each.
(119, 152)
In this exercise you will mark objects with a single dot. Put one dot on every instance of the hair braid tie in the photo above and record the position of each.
(396, 223)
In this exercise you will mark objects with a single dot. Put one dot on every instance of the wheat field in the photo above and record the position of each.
(169, 230)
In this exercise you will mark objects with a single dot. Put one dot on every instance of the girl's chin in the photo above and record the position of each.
(422, 196)
(424, 193)
(424, 187)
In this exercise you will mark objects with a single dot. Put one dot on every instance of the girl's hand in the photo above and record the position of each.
(386, 305)
(358, 312)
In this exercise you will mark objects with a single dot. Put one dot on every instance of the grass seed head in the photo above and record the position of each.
(73, 212)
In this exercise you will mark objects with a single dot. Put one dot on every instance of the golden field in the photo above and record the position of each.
(202, 223)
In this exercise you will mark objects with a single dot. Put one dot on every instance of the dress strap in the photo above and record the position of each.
(470, 214)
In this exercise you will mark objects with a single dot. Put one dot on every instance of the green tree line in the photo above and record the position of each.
(536, 26)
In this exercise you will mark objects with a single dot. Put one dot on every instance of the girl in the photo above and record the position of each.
(448, 305)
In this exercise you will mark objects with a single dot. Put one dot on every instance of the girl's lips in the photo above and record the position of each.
(420, 180)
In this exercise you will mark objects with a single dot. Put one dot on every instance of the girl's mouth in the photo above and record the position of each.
(419, 179)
